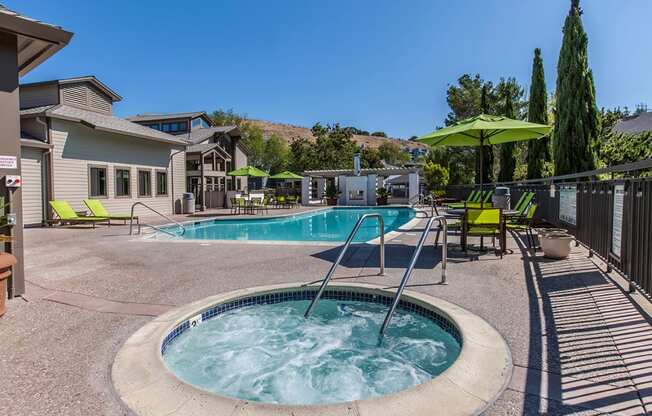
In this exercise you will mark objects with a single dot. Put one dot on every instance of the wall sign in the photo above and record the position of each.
(8, 162)
(568, 204)
(617, 227)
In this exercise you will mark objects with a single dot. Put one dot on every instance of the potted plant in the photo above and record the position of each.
(332, 194)
(381, 196)
(556, 243)
(6, 260)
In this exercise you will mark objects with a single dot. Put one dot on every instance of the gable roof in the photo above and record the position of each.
(634, 125)
(101, 122)
(199, 135)
(166, 116)
(88, 78)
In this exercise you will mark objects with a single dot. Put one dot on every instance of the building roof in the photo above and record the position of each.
(199, 135)
(88, 78)
(634, 125)
(166, 116)
(205, 147)
(37, 41)
(101, 122)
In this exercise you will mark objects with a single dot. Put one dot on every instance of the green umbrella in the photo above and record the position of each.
(248, 171)
(485, 130)
(286, 175)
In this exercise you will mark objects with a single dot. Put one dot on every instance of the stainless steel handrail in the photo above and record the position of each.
(131, 222)
(329, 275)
(413, 262)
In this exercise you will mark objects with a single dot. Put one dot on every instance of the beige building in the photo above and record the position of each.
(74, 148)
(212, 152)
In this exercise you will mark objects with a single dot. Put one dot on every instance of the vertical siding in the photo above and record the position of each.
(39, 95)
(179, 164)
(32, 192)
(241, 161)
(76, 147)
(85, 95)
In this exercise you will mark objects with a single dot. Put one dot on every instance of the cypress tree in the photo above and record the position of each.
(577, 121)
(487, 151)
(538, 151)
(507, 156)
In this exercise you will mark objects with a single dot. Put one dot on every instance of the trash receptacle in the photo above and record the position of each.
(188, 206)
(501, 197)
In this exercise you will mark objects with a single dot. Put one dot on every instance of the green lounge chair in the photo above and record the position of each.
(524, 224)
(98, 210)
(524, 202)
(66, 214)
(474, 196)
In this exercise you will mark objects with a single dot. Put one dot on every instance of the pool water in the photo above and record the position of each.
(333, 224)
(270, 353)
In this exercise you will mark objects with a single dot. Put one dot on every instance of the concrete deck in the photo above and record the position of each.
(580, 344)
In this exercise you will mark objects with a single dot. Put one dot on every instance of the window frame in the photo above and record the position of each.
(156, 172)
(115, 182)
(90, 181)
(138, 193)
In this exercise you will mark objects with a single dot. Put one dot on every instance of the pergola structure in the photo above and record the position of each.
(357, 189)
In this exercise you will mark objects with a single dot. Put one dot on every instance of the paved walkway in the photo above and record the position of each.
(579, 343)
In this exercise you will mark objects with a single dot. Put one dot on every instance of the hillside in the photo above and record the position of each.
(289, 132)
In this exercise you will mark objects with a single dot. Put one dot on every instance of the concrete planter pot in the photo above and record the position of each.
(331, 201)
(381, 201)
(556, 245)
(6, 261)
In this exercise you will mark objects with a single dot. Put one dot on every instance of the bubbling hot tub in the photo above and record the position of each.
(253, 348)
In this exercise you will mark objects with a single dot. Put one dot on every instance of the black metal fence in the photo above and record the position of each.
(612, 218)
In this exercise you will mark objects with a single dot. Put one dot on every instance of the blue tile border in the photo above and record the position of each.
(308, 294)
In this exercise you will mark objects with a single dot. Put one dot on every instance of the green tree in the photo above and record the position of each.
(507, 155)
(370, 158)
(254, 141)
(379, 134)
(276, 155)
(538, 151)
(486, 104)
(301, 155)
(333, 147)
(228, 118)
(577, 122)
(435, 175)
(392, 153)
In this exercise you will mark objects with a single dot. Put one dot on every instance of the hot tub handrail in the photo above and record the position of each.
(131, 221)
(413, 262)
(349, 240)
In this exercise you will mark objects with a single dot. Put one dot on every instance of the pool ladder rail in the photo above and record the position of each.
(131, 222)
(408, 271)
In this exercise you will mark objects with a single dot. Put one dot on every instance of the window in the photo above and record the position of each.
(97, 182)
(144, 183)
(122, 182)
(238, 183)
(196, 122)
(204, 124)
(161, 183)
(174, 127)
(155, 126)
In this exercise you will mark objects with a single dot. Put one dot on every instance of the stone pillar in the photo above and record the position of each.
(371, 190)
(305, 190)
(341, 184)
(413, 185)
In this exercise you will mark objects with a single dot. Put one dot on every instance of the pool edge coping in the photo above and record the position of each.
(471, 384)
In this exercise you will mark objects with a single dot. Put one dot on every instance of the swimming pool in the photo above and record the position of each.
(327, 225)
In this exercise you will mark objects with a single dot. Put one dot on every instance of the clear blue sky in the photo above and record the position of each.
(377, 65)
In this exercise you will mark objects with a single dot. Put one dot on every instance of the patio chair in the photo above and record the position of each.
(66, 214)
(483, 222)
(256, 205)
(280, 201)
(524, 224)
(98, 210)
(241, 204)
(291, 201)
(524, 202)
(487, 196)
(474, 196)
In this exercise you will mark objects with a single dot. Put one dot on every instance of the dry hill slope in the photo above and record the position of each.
(289, 132)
